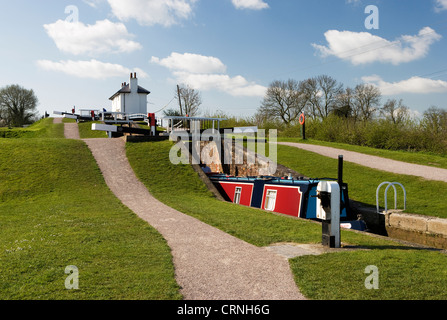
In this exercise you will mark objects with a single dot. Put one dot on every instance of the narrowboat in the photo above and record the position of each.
(285, 195)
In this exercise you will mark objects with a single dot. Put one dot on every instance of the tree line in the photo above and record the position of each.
(321, 96)
(350, 115)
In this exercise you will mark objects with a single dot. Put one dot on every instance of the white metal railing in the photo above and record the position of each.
(115, 115)
(120, 117)
(390, 184)
(137, 116)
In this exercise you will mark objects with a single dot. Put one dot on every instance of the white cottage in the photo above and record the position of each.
(131, 98)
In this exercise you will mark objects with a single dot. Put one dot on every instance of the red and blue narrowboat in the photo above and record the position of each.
(292, 197)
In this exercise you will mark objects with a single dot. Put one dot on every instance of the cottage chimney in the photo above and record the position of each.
(133, 83)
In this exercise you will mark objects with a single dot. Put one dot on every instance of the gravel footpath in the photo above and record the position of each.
(71, 131)
(426, 172)
(209, 264)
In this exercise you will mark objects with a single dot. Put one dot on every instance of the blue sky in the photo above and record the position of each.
(77, 53)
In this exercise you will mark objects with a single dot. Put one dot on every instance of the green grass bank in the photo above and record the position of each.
(43, 128)
(405, 273)
(57, 211)
(423, 197)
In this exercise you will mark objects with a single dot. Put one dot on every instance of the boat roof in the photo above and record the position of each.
(271, 179)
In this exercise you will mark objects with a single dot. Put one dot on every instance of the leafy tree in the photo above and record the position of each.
(17, 105)
(172, 112)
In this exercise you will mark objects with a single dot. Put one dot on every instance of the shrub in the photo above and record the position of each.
(379, 133)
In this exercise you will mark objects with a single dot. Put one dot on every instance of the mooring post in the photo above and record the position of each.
(304, 131)
(328, 210)
(340, 180)
(302, 121)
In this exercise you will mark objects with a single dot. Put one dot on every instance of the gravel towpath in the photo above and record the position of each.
(426, 172)
(209, 263)
(71, 131)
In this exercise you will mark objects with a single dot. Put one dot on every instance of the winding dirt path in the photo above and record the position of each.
(399, 167)
(209, 263)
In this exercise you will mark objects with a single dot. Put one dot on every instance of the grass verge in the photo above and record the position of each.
(43, 128)
(85, 129)
(422, 158)
(401, 275)
(423, 197)
(402, 269)
(56, 211)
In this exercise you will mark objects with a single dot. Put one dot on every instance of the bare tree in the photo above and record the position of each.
(189, 100)
(322, 94)
(283, 100)
(435, 120)
(345, 101)
(17, 105)
(366, 101)
(395, 111)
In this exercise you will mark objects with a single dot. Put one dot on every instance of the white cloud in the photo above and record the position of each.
(235, 86)
(92, 3)
(413, 85)
(151, 12)
(191, 62)
(207, 73)
(356, 2)
(250, 4)
(102, 37)
(363, 47)
(441, 5)
(92, 69)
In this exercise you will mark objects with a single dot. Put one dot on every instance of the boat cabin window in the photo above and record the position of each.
(237, 195)
(270, 200)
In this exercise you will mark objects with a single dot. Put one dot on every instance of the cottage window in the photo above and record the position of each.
(270, 200)
(237, 195)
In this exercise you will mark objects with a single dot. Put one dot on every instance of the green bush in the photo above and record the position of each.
(378, 133)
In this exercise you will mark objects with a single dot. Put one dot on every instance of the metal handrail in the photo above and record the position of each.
(390, 184)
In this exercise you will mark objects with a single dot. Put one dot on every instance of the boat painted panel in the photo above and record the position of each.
(287, 200)
(230, 190)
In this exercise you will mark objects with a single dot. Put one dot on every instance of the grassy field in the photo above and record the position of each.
(56, 211)
(423, 197)
(41, 129)
(422, 158)
(402, 275)
(405, 273)
(85, 129)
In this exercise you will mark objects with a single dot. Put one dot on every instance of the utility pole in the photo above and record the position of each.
(179, 100)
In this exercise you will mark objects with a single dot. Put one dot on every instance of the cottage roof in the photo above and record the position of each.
(126, 89)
